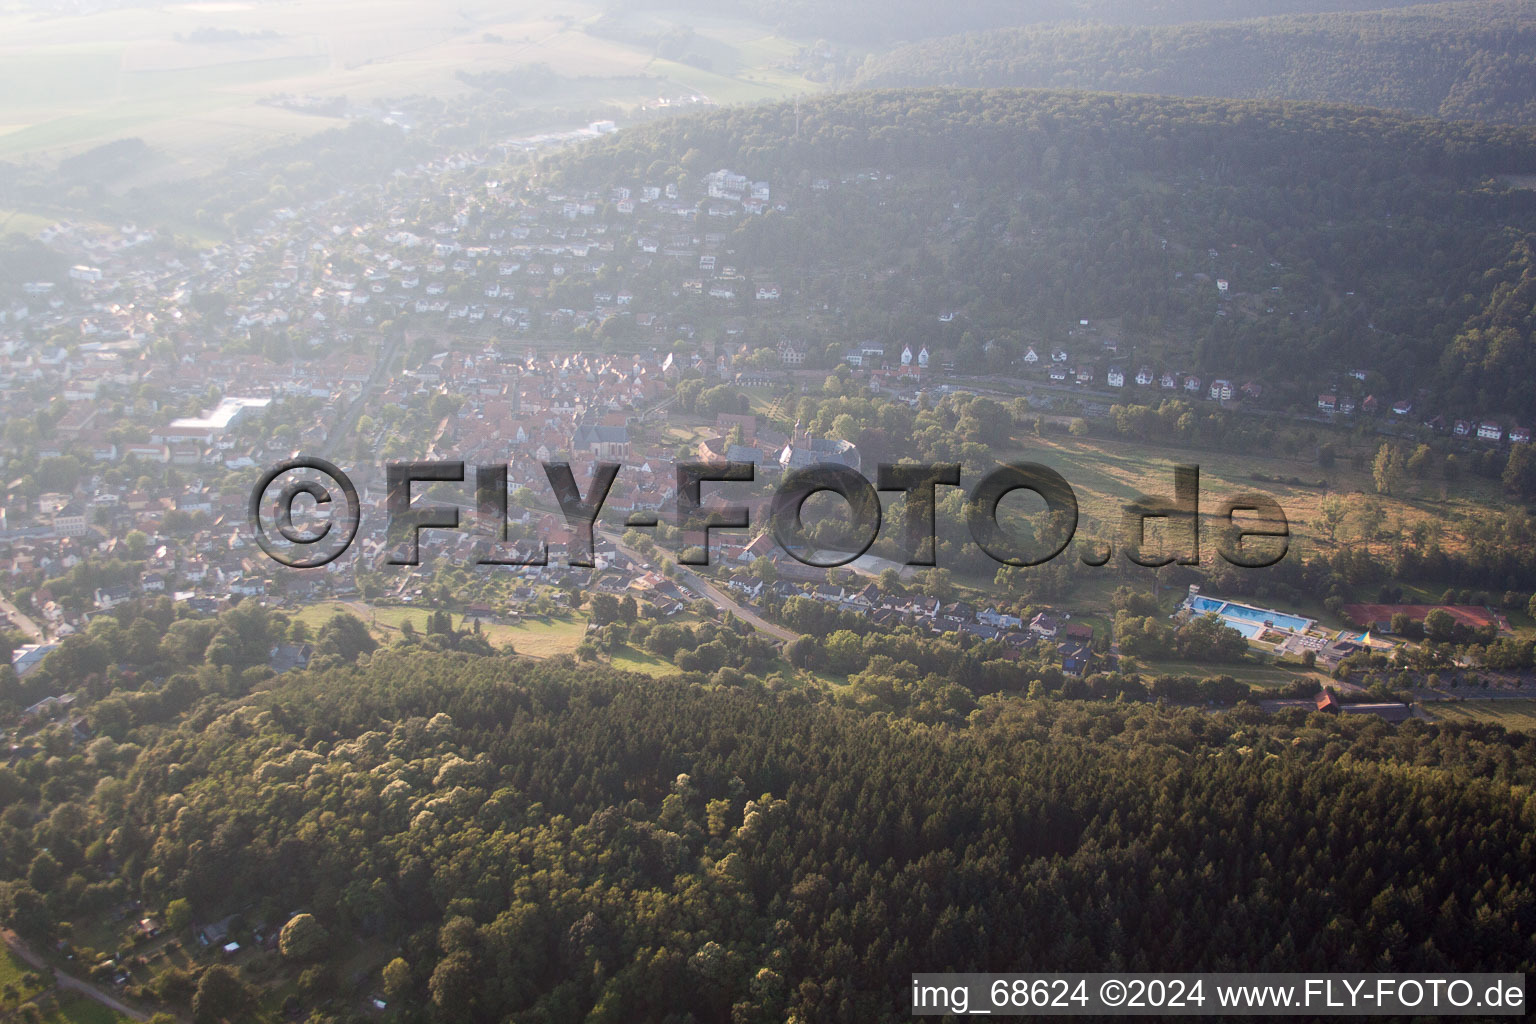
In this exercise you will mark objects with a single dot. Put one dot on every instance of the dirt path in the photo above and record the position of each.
(66, 981)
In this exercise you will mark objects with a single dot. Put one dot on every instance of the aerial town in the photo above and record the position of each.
(462, 318)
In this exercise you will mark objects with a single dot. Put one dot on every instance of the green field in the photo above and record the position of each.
(72, 1008)
(1254, 674)
(630, 660)
(1107, 474)
(77, 1009)
(532, 638)
(22, 222)
(12, 968)
(1515, 715)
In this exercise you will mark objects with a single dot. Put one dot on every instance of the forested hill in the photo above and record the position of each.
(1472, 60)
(1354, 240)
(878, 22)
(545, 842)
(1022, 134)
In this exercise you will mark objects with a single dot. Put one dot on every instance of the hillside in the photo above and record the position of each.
(880, 22)
(550, 843)
(1472, 60)
(1352, 241)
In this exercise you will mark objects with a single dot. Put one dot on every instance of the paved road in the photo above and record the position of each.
(65, 981)
(707, 590)
(713, 594)
(21, 621)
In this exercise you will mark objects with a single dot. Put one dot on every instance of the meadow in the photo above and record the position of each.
(1514, 715)
(533, 638)
(1107, 474)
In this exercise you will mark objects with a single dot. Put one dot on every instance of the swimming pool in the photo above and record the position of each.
(1239, 616)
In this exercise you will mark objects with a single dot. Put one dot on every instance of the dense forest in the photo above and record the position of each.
(537, 842)
(1462, 60)
(1354, 240)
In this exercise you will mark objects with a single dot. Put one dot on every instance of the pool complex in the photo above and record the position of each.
(1248, 620)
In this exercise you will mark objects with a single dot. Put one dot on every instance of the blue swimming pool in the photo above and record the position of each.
(1247, 619)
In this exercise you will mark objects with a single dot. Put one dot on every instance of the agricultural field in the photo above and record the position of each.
(1514, 715)
(189, 79)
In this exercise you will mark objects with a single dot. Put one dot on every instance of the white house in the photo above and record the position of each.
(998, 620)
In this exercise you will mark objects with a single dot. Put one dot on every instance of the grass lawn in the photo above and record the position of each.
(1252, 673)
(770, 403)
(532, 637)
(1515, 715)
(630, 660)
(535, 639)
(12, 968)
(77, 1009)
